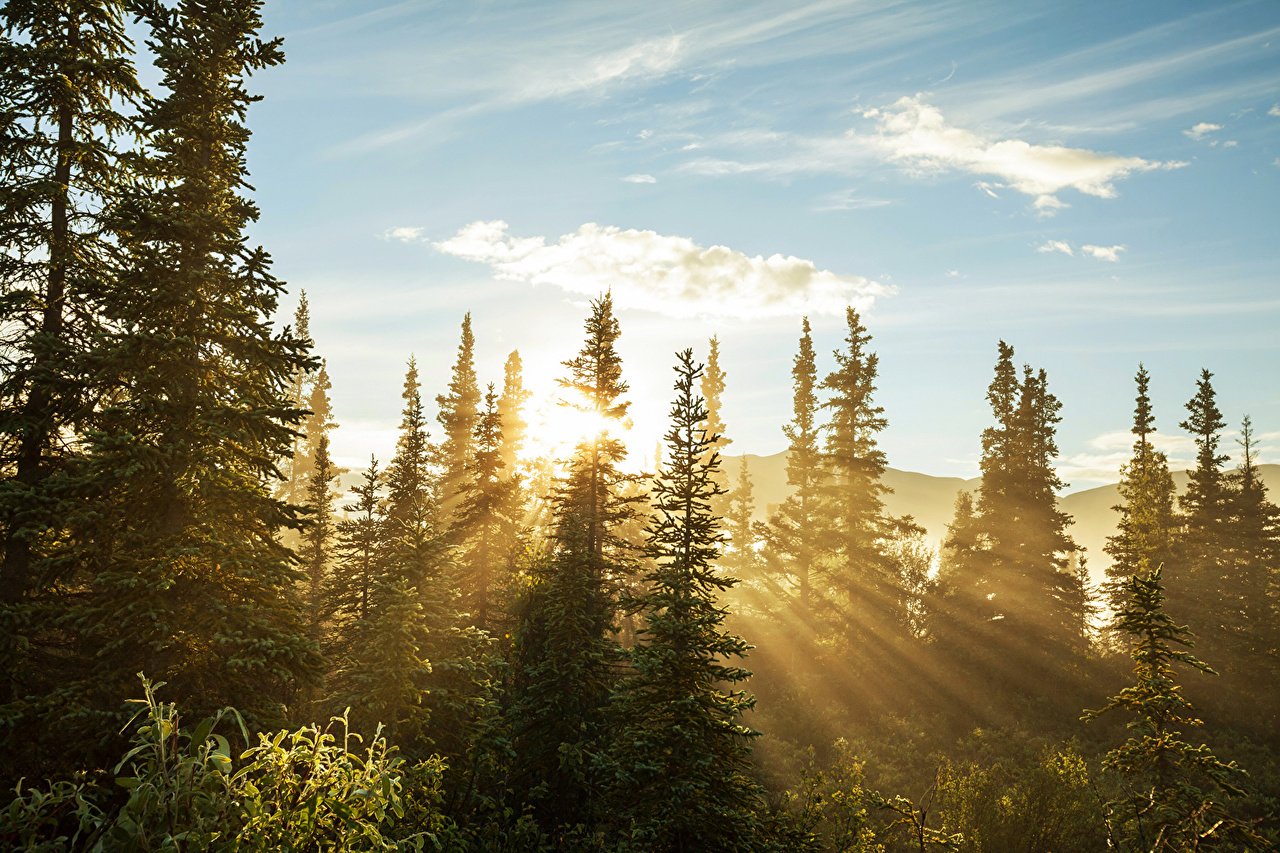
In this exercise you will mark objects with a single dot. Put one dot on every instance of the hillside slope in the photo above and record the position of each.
(931, 500)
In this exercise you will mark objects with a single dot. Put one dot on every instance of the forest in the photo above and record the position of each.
(207, 644)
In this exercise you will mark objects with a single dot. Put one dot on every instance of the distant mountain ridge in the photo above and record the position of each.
(931, 500)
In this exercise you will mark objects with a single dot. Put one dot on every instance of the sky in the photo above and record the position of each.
(1096, 183)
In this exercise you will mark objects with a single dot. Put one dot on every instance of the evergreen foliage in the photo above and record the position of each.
(508, 653)
(1146, 530)
(1175, 790)
(868, 599)
(791, 553)
(565, 657)
(511, 412)
(61, 167)
(183, 572)
(60, 146)
(741, 553)
(683, 752)
(459, 411)
(487, 525)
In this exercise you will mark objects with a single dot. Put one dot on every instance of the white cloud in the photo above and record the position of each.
(917, 135)
(1048, 205)
(989, 188)
(1056, 246)
(667, 274)
(403, 233)
(1103, 253)
(640, 179)
(1274, 111)
(1201, 130)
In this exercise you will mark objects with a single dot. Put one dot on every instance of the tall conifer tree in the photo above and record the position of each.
(486, 529)
(741, 554)
(293, 488)
(459, 410)
(511, 411)
(713, 385)
(1175, 791)
(1148, 524)
(187, 579)
(867, 597)
(348, 596)
(66, 74)
(1247, 595)
(414, 659)
(1030, 596)
(683, 750)
(1197, 589)
(316, 551)
(565, 655)
(791, 553)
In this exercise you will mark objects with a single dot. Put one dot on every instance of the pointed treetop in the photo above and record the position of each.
(596, 372)
(1003, 391)
(713, 385)
(1143, 420)
(302, 318)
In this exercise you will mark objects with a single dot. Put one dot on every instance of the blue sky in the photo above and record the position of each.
(1097, 183)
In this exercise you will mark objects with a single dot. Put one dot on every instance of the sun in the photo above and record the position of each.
(566, 421)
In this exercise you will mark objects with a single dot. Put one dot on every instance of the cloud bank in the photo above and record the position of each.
(664, 273)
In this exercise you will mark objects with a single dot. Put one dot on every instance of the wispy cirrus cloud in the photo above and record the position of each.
(640, 179)
(664, 273)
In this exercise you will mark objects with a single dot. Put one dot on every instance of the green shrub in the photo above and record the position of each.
(311, 789)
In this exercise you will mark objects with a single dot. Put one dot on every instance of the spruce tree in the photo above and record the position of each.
(1148, 524)
(316, 551)
(741, 554)
(358, 537)
(413, 658)
(1013, 561)
(1175, 791)
(1198, 587)
(866, 597)
(713, 385)
(962, 615)
(186, 579)
(293, 488)
(66, 76)
(565, 657)
(486, 529)
(791, 555)
(683, 753)
(459, 410)
(511, 412)
(1251, 556)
